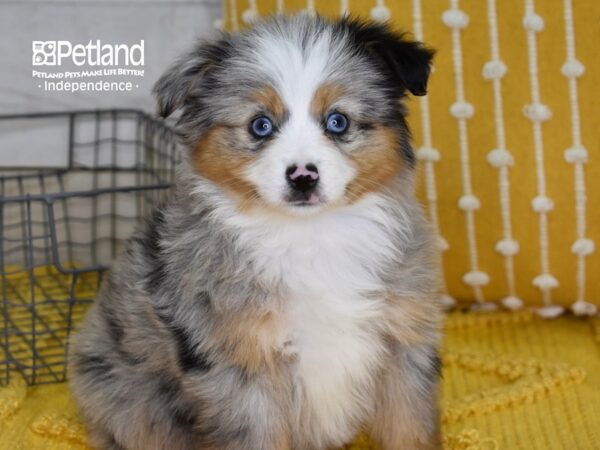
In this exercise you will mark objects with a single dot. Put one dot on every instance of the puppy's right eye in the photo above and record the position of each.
(261, 127)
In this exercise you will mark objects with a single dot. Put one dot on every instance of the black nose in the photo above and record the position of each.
(302, 178)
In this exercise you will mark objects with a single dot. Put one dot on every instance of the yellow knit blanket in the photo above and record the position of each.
(511, 381)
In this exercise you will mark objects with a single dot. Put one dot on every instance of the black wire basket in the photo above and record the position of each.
(62, 224)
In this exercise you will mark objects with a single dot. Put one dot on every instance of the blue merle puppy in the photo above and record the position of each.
(286, 296)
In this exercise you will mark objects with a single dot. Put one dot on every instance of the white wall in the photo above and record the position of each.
(167, 28)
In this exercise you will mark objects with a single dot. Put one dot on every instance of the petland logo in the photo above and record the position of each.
(54, 53)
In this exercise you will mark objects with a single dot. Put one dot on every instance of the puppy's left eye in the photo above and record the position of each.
(261, 127)
(336, 123)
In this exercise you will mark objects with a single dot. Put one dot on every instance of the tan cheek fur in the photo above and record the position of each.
(214, 159)
(377, 162)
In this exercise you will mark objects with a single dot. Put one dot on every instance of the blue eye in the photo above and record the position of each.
(261, 127)
(336, 123)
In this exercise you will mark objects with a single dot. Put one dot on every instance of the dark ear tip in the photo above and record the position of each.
(419, 92)
(408, 62)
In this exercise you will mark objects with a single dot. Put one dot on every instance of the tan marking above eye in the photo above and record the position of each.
(268, 98)
(325, 96)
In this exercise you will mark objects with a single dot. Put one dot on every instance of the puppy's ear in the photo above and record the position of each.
(407, 62)
(187, 73)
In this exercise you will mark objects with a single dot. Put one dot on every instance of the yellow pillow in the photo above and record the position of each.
(538, 111)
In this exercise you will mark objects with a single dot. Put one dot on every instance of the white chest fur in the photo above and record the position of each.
(328, 267)
(338, 347)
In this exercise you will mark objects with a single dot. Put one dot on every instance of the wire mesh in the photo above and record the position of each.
(60, 227)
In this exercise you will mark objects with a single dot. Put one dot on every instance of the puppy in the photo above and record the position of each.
(286, 296)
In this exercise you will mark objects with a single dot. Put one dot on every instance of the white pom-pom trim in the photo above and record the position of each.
(484, 307)
(476, 278)
(455, 18)
(442, 244)
(542, 204)
(537, 112)
(500, 158)
(513, 303)
(447, 301)
(428, 154)
(250, 16)
(583, 308)
(545, 282)
(573, 68)
(533, 22)
(494, 70)
(583, 247)
(469, 202)
(462, 110)
(550, 311)
(576, 155)
(219, 24)
(380, 13)
(507, 247)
